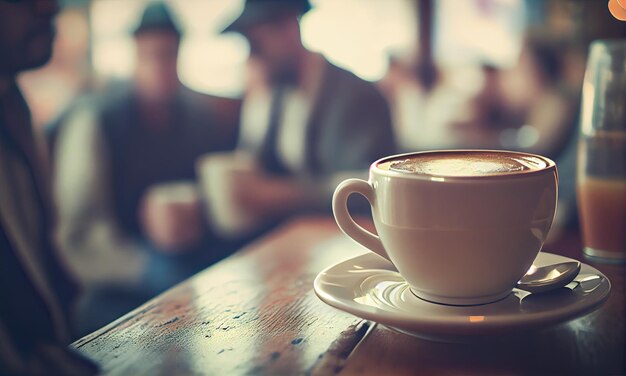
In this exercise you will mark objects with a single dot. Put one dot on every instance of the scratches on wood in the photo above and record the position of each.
(253, 313)
(115, 325)
(334, 359)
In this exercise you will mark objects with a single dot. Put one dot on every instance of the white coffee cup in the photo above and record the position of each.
(218, 174)
(459, 240)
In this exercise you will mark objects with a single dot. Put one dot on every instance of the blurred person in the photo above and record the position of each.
(36, 293)
(304, 120)
(525, 107)
(129, 215)
(425, 117)
(504, 94)
(50, 89)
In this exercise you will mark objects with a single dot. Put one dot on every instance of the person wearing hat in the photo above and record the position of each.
(112, 152)
(307, 121)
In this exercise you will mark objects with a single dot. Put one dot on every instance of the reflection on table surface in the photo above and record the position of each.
(255, 312)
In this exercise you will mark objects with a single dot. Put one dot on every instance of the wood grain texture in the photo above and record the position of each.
(256, 313)
(252, 313)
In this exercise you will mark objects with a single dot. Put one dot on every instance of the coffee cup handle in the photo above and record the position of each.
(345, 221)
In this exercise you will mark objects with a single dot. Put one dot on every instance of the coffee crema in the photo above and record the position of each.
(465, 163)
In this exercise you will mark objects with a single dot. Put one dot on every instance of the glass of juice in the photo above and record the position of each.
(601, 175)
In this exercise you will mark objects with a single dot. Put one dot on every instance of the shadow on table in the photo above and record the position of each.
(572, 348)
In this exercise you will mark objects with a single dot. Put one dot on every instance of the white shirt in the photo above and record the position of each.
(296, 111)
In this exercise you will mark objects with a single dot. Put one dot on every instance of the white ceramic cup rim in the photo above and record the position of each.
(374, 169)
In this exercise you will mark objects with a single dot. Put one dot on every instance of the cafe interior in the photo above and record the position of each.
(286, 187)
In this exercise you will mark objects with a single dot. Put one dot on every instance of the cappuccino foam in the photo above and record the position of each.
(465, 163)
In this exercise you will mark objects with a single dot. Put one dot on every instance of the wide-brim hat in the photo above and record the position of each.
(260, 11)
(157, 17)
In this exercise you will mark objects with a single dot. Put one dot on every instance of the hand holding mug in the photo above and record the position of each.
(171, 215)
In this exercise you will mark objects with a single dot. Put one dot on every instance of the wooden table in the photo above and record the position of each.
(256, 313)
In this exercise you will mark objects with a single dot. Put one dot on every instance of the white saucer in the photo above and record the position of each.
(370, 287)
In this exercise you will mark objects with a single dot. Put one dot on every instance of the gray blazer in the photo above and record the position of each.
(349, 127)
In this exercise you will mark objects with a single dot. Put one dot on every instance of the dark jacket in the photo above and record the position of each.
(350, 125)
(140, 157)
(36, 293)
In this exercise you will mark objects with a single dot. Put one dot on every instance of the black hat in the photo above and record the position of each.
(259, 11)
(157, 16)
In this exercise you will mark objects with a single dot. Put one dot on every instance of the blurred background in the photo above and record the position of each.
(495, 74)
(368, 37)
